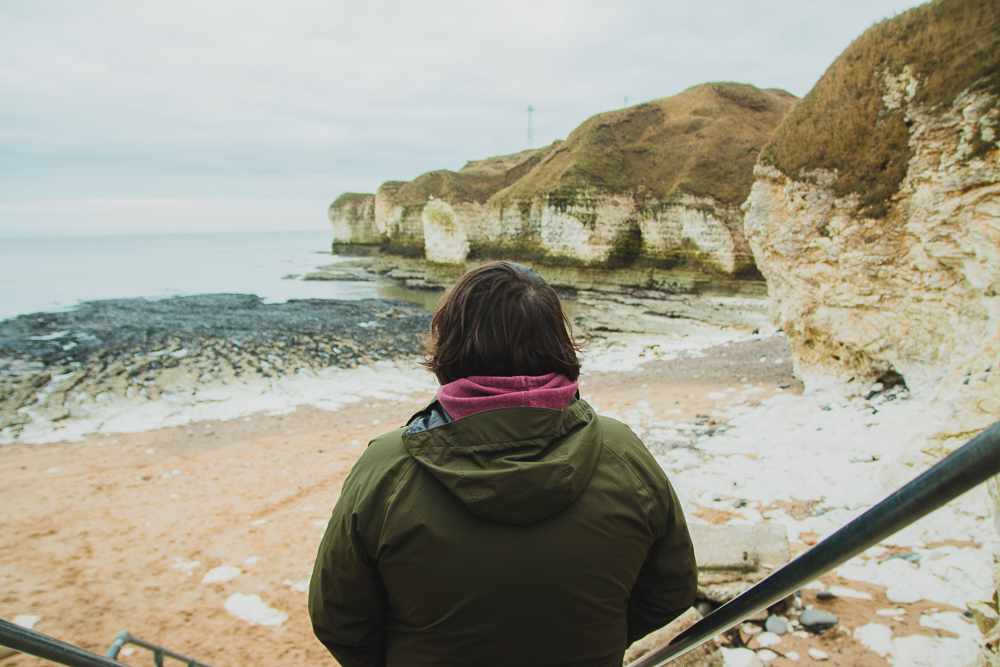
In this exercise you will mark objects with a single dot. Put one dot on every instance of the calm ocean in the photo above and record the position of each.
(45, 274)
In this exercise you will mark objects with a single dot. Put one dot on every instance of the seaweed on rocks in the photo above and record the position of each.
(52, 364)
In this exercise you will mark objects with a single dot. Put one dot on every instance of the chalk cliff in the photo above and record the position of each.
(660, 183)
(353, 218)
(457, 202)
(875, 219)
(875, 216)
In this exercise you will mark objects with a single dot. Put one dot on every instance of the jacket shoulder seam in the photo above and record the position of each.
(638, 478)
(385, 502)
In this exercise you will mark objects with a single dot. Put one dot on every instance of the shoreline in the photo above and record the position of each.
(134, 364)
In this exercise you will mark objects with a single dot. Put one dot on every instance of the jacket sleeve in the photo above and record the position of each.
(668, 579)
(346, 598)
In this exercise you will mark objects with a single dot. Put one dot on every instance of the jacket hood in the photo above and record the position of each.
(514, 465)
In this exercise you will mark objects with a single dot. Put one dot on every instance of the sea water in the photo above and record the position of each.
(55, 273)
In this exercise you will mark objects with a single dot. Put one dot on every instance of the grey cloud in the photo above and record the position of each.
(304, 99)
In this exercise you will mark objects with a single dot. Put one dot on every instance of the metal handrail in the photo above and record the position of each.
(48, 648)
(126, 637)
(965, 468)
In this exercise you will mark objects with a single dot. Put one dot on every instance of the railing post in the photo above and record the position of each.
(121, 639)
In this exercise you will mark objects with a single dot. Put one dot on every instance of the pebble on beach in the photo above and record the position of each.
(816, 654)
(903, 594)
(816, 620)
(220, 574)
(704, 607)
(766, 639)
(876, 637)
(776, 624)
(740, 657)
(766, 655)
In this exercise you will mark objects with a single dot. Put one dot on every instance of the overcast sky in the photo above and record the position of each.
(121, 117)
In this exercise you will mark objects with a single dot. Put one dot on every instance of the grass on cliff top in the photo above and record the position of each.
(703, 142)
(352, 199)
(477, 181)
(843, 124)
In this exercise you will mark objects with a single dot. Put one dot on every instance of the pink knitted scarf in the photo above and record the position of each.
(468, 396)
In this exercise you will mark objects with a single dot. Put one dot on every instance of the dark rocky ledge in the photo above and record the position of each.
(53, 362)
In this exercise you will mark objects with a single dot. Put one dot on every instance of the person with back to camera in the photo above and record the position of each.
(506, 524)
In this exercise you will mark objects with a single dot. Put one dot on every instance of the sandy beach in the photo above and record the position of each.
(201, 536)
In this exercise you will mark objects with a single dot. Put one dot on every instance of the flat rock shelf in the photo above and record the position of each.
(53, 364)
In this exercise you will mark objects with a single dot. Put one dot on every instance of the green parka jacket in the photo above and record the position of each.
(513, 537)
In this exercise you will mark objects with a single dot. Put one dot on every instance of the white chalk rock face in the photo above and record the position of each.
(660, 182)
(919, 293)
(386, 219)
(697, 222)
(353, 218)
(445, 242)
(594, 226)
(876, 221)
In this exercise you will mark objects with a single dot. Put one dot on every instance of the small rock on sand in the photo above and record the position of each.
(903, 594)
(776, 624)
(766, 639)
(741, 657)
(220, 574)
(816, 620)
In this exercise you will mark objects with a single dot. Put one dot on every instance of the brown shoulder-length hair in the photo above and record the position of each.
(501, 318)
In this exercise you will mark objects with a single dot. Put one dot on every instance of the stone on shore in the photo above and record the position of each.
(741, 657)
(903, 594)
(816, 654)
(816, 620)
(731, 559)
(776, 624)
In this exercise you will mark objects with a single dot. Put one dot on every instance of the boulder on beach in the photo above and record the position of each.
(731, 559)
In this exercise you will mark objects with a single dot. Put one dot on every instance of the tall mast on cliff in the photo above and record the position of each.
(531, 127)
